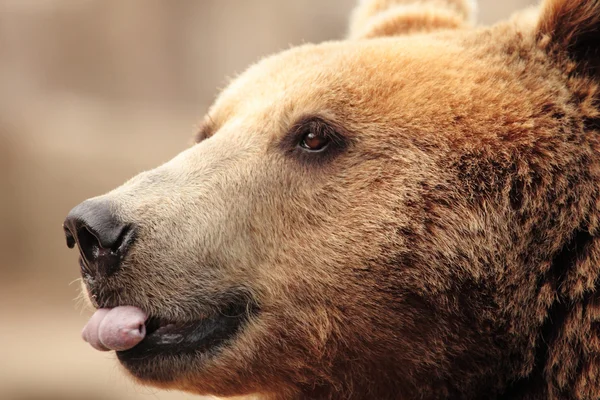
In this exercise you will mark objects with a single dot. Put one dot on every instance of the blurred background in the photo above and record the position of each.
(91, 93)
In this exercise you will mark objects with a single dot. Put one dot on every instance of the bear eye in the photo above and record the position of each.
(313, 141)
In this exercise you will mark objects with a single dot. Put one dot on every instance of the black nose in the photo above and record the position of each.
(103, 239)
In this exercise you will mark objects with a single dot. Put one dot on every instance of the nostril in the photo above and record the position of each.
(70, 238)
(106, 260)
(89, 244)
(102, 237)
(94, 246)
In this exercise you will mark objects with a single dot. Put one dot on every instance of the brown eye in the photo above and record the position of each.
(314, 142)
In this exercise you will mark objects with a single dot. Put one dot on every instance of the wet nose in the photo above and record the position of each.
(102, 237)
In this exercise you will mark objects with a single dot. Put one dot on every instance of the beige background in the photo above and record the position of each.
(92, 92)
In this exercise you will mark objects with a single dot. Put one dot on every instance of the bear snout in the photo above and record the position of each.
(102, 237)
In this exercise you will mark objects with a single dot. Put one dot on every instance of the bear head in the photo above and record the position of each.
(409, 213)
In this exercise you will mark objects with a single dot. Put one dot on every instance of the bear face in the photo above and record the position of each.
(383, 217)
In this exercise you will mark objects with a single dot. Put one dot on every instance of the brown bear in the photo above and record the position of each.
(411, 213)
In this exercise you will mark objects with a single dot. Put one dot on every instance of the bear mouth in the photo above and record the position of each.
(166, 338)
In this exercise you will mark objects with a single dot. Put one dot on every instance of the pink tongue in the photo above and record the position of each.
(119, 328)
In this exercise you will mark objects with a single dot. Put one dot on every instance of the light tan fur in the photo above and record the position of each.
(449, 251)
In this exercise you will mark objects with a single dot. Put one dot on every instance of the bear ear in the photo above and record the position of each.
(570, 31)
(378, 18)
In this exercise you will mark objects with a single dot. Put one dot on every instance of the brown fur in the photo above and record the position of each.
(450, 250)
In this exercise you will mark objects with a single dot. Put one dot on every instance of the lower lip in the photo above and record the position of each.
(203, 336)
